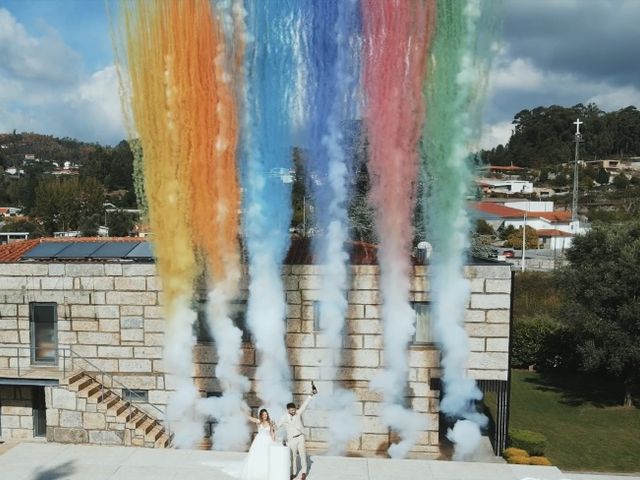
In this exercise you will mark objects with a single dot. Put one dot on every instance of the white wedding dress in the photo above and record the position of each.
(256, 465)
(266, 460)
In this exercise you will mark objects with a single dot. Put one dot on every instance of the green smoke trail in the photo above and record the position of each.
(458, 66)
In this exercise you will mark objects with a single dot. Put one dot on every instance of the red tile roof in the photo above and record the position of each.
(12, 252)
(553, 232)
(498, 210)
(558, 216)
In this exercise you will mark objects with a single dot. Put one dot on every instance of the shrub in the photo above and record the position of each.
(533, 442)
(530, 335)
(514, 452)
(539, 461)
(518, 460)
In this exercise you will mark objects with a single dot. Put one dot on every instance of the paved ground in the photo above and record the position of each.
(47, 461)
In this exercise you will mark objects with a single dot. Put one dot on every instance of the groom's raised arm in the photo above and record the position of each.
(304, 405)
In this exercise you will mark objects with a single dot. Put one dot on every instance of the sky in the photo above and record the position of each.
(57, 75)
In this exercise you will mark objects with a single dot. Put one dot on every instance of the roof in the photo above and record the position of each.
(488, 208)
(300, 251)
(12, 252)
(497, 210)
(553, 232)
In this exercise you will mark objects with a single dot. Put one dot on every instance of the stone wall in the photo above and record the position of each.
(16, 413)
(110, 314)
(71, 419)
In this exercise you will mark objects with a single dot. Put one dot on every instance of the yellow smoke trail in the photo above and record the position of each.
(184, 110)
(148, 49)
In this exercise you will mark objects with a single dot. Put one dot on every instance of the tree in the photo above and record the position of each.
(621, 182)
(505, 232)
(602, 177)
(483, 228)
(602, 282)
(32, 228)
(120, 223)
(515, 239)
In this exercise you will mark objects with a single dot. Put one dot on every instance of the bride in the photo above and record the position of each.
(256, 465)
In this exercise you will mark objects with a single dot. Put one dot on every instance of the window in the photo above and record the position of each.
(43, 318)
(135, 395)
(211, 422)
(424, 332)
(316, 316)
(237, 312)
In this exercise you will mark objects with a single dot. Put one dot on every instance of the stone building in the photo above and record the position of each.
(81, 335)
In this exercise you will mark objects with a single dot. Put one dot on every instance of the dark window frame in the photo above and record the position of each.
(135, 395)
(201, 325)
(32, 332)
(414, 341)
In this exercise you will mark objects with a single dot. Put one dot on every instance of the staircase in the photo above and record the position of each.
(140, 428)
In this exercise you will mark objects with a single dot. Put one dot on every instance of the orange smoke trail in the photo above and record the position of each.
(150, 57)
(184, 110)
(205, 121)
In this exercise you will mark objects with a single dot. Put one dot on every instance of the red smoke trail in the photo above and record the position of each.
(397, 35)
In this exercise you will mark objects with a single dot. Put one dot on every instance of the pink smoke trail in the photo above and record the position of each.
(397, 34)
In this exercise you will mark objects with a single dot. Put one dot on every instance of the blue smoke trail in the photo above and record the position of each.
(332, 37)
(266, 164)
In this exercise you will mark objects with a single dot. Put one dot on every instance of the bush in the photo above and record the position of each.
(533, 442)
(539, 461)
(518, 460)
(514, 452)
(542, 342)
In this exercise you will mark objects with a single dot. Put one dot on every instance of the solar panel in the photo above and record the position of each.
(142, 251)
(79, 250)
(114, 250)
(46, 250)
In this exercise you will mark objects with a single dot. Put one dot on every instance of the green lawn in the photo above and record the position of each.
(585, 427)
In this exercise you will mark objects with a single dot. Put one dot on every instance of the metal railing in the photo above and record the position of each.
(66, 360)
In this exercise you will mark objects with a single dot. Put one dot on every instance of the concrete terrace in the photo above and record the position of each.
(46, 461)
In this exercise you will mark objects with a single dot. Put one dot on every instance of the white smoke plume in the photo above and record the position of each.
(182, 416)
(398, 329)
(266, 318)
(231, 431)
(342, 423)
(466, 436)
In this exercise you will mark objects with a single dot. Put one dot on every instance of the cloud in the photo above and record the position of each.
(496, 134)
(563, 53)
(45, 89)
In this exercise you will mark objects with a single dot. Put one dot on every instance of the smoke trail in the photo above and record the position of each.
(185, 113)
(141, 41)
(458, 68)
(267, 160)
(397, 36)
(332, 31)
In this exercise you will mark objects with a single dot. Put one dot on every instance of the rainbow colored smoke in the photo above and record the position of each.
(225, 90)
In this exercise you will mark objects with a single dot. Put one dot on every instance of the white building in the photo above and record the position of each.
(507, 187)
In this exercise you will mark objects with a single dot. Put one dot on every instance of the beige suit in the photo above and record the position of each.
(295, 436)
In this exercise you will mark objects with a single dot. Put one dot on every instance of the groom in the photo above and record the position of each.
(292, 421)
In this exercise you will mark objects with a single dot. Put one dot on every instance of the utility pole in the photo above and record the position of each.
(524, 239)
(574, 204)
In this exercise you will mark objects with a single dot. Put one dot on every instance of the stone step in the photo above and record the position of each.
(155, 433)
(91, 390)
(74, 378)
(119, 407)
(147, 425)
(163, 442)
(83, 383)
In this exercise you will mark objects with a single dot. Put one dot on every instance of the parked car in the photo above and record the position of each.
(493, 253)
(509, 253)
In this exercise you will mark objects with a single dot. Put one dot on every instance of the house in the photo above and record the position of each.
(507, 187)
(82, 328)
(10, 237)
(537, 215)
